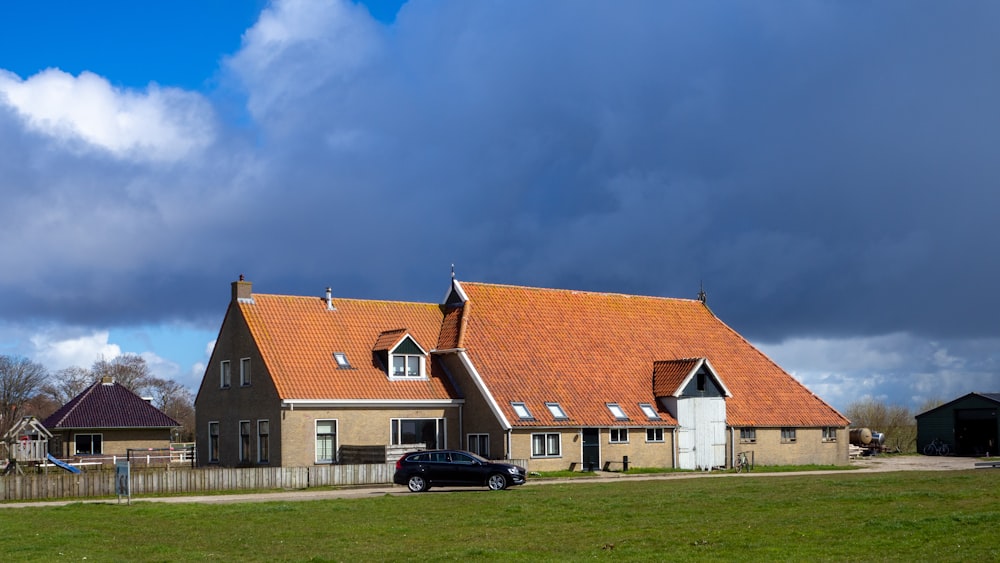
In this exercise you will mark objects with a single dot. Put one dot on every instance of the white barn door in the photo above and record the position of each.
(701, 440)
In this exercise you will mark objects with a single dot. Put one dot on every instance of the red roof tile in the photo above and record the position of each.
(584, 349)
(297, 337)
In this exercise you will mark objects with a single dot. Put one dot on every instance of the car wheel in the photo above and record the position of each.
(416, 484)
(497, 482)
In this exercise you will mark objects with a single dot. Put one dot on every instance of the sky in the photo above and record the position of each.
(825, 170)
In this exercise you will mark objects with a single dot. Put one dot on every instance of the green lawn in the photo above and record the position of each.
(904, 516)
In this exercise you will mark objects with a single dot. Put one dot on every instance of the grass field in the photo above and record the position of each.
(903, 516)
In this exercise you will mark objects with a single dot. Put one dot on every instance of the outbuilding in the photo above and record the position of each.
(968, 426)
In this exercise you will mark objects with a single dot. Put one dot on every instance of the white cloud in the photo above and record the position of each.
(59, 351)
(160, 124)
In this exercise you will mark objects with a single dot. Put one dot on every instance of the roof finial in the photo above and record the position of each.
(241, 277)
(702, 296)
(453, 271)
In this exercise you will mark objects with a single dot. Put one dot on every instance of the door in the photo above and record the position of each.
(591, 449)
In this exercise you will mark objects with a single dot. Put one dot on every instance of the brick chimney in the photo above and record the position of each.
(241, 289)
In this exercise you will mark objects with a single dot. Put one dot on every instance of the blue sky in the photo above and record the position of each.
(825, 169)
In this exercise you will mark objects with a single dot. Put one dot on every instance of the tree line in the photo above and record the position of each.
(897, 422)
(28, 389)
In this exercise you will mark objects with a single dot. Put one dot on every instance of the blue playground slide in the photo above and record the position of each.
(64, 465)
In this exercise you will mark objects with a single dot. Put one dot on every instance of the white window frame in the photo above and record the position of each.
(478, 440)
(244, 372)
(244, 455)
(649, 411)
(656, 433)
(91, 434)
(213, 441)
(521, 410)
(333, 446)
(748, 435)
(788, 435)
(263, 441)
(407, 359)
(440, 430)
(617, 411)
(830, 434)
(557, 411)
(225, 374)
(618, 435)
(548, 444)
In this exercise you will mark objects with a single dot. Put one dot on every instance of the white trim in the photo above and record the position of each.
(91, 434)
(395, 403)
(457, 287)
(691, 374)
(483, 390)
(336, 440)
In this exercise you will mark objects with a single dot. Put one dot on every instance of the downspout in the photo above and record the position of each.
(732, 446)
(509, 453)
(461, 419)
(674, 449)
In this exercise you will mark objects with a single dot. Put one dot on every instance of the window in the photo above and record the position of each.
(701, 381)
(619, 435)
(545, 445)
(225, 374)
(830, 434)
(89, 444)
(521, 411)
(480, 444)
(326, 441)
(263, 440)
(244, 440)
(649, 411)
(556, 410)
(748, 435)
(654, 434)
(342, 362)
(426, 431)
(245, 372)
(617, 411)
(787, 435)
(407, 365)
(213, 442)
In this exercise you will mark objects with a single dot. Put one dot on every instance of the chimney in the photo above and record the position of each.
(107, 380)
(241, 289)
(329, 300)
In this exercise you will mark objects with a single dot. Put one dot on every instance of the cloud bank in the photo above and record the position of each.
(825, 170)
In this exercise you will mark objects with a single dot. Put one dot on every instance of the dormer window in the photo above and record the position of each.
(556, 410)
(407, 365)
(400, 355)
(617, 411)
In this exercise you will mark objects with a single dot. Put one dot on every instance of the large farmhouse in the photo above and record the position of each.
(558, 379)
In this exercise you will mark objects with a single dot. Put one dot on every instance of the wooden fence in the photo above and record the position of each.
(187, 480)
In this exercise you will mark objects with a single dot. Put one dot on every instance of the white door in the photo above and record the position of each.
(703, 420)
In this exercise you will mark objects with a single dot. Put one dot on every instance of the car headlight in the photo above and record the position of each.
(512, 470)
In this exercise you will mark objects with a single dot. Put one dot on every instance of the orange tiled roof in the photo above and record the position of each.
(584, 349)
(297, 337)
(668, 375)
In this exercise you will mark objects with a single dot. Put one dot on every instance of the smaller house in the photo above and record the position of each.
(968, 425)
(106, 420)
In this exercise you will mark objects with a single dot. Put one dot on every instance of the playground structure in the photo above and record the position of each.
(27, 443)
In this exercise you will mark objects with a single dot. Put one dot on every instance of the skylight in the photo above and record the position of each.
(342, 362)
(617, 411)
(649, 411)
(521, 410)
(556, 410)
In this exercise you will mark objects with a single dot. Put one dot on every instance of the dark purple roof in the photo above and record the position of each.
(108, 405)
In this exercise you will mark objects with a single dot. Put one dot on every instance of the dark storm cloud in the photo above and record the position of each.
(825, 169)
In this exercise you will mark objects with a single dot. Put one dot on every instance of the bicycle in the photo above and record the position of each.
(937, 447)
(742, 462)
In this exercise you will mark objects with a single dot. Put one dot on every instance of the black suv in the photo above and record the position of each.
(419, 470)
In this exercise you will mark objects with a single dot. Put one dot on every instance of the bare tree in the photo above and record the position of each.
(20, 380)
(128, 370)
(177, 402)
(67, 383)
(895, 421)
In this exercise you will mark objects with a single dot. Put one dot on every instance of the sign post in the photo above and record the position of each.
(123, 483)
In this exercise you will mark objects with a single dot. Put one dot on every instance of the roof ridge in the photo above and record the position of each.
(75, 402)
(585, 291)
(352, 299)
